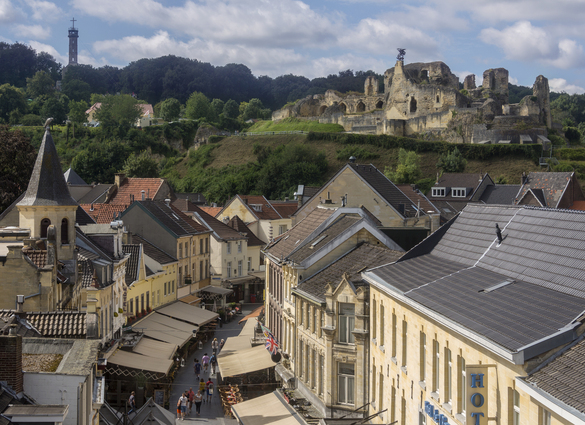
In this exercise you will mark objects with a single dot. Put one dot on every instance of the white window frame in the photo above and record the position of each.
(345, 385)
(240, 268)
(458, 192)
(439, 192)
(229, 247)
(239, 247)
(229, 269)
(516, 407)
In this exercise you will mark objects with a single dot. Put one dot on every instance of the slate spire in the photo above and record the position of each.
(47, 185)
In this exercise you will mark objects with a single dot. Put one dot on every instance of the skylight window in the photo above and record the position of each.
(498, 286)
(317, 241)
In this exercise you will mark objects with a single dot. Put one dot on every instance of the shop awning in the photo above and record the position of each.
(140, 362)
(215, 290)
(238, 362)
(240, 280)
(188, 313)
(153, 348)
(257, 312)
(166, 329)
(284, 373)
(190, 299)
(267, 409)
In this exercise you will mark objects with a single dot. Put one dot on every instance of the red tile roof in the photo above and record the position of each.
(37, 256)
(261, 207)
(103, 213)
(284, 208)
(146, 109)
(212, 211)
(133, 186)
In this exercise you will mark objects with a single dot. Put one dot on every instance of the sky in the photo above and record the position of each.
(315, 38)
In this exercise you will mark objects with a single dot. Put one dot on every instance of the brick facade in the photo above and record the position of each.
(11, 361)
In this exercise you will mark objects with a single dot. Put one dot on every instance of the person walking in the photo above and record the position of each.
(214, 345)
(183, 400)
(190, 396)
(221, 344)
(213, 362)
(197, 368)
(209, 386)
(198, 399)
(202, 388)
(205, 361)
(132, 402)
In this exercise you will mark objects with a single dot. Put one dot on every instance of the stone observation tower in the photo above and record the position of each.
(73, 36)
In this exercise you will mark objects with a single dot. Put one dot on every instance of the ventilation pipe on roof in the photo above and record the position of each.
(168, 202)
(142, 192)
(91, 207)
(352, 159)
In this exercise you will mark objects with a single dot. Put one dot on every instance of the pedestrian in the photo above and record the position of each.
(179, 408)
(214, 345)
(209, 386)
(202, 388)
(198, 399)
(132, 402)
(197, 368)
(183, 400)
(190, 395)
(221, 344)
(213, 362)
(205, 361)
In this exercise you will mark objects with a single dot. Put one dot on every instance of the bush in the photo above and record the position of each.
(31, 120)
(453, 162)
(557, 140)
(357, 151)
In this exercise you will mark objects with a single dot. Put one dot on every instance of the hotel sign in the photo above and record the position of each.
(476, 393)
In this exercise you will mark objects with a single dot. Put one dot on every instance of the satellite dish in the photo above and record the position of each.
(276, 357)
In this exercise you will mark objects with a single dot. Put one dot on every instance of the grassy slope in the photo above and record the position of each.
(238, 151)
(293, 124)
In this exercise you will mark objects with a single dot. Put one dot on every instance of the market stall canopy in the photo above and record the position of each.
(140, 362)
(188, 313)
(238, 362)
(267, 409)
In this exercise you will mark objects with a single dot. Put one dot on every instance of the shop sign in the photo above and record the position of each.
(476, 407)
(434, 414)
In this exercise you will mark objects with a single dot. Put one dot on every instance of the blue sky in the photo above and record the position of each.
(316, 37)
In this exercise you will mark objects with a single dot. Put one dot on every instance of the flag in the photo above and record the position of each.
(271, 342)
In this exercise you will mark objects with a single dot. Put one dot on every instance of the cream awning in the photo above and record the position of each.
(140, 362)
(153, 348)
(188, 313)
(237, 362)
(267, 409)
(164, 328)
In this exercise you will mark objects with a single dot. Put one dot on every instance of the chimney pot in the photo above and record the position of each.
(143, 194)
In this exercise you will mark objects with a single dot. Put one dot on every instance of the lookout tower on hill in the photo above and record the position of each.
(73, 36)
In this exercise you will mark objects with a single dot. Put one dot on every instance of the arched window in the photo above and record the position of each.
(361, 107)
(379, 105)
(412, 104)
(64, 231)
(45, 223)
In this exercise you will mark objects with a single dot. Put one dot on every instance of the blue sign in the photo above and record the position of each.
(437, 417)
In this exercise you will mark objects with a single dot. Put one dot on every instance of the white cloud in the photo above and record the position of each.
(561, 85)
(525, 42)
(8, 13)
(33, 31)
(44, 10)
(513, 80)
(40, 47)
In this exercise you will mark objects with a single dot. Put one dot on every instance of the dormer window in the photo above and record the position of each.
(438, 192)
(458, 192)
(257, 207)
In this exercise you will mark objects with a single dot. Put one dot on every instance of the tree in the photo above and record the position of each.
(407, 170)
(40, 84)
(142, 165)
(217, 106)
(231, 109)
(56, 107)
(452, 162)
(77, 111)
(76, 90)
(198, 106)
(254, 109)
(17, 159)
(170, 109)
(118, 111)
(11, 99)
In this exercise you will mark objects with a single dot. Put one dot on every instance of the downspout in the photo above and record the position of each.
(30, 296)
(79, 421)
(367, 347)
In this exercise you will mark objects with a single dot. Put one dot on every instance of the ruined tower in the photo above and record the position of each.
(496, 80)
(541, 90)
(371, 86)
(73, 36)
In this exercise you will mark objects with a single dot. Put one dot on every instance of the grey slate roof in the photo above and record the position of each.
(96, 195)
(153, 251)
(562, 377)
(132, 271)
(552, 185)
(238, 225)
(501, 194)
(47, 185)
(220, 230)
(71, 177)
(387, 190)
(361, 257)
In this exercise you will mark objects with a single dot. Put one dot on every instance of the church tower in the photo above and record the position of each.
(47, 202)
(73, 36)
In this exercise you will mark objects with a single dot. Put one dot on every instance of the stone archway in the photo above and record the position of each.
(360, 107)
(379, 104)
(343, 107)
(322, 109)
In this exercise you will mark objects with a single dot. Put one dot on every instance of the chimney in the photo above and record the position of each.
(168, 202)
(524, 178)
(11, 360)
(91, 207)
(142, 193)
(119, 179)
(352, 159)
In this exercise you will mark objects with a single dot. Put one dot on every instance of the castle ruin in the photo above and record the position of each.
(426, 99)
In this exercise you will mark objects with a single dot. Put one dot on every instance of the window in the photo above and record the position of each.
(158, 296)
(282, 228)
(301, 358)
(382, 330)
(147, 300)
(315, 323)
(45, 223)
(458, 192)
(374, 319)
(404, 342)
(381, 390)
(373, 392)
(206, 245)
(229, 268)
(206, 269)
(64, 231)
(186, 249)
(200, 270)
(463, 386)
(448, 376)
(301, 312)
(173, 287)
(165, 292)
(200, 246)
(321, 362)
(345, 383)
(436, 360)
(423, 356)
(249, 263)
(229, 247)
(438, 192)
(545, 417)
(240, 267)
(346, 322)
(239, 247)
(394, 331)
(137, 306)
(403, 410)
(180, 250)
(516, 408)
(393, 398)
(320, 324)
(142, 302)
(313, 370)
(131, 306)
